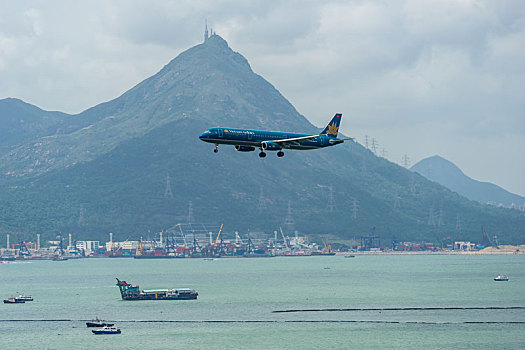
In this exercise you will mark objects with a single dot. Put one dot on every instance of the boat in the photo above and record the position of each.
(106, 330)
(321, 253)
(350, 256)
(501, 278)
(96, 322)
(131, 292)
(13, 300)
(24, 297)
(7, 258)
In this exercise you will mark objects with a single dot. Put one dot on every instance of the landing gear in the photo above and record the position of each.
(262, 154)
(280, 154)
(216, 148)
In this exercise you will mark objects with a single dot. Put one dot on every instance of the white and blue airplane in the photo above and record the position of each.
(247, 140)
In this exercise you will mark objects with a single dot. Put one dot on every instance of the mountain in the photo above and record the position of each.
(21, 122)
(449, 175)
(135, 165)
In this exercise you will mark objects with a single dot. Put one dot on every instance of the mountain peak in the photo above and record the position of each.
(446, 173)
(216, 40)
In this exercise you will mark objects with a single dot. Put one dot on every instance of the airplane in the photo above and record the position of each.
(246, 140)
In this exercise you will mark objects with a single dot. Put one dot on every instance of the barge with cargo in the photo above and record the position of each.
(131, 292)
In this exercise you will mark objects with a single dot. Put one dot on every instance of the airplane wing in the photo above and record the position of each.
(293, 140)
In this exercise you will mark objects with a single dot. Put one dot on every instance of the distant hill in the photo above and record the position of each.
(108, 170)
(449, 175)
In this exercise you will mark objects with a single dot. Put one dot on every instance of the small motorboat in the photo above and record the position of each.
(96, 322)
(106, 330)
(13, 300)
(350, 256)
(501, 278)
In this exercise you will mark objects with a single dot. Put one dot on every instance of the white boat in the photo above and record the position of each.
(501, 278)
(107, 330)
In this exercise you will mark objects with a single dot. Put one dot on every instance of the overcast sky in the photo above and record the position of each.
(422, 77)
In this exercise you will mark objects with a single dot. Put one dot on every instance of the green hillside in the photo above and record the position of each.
(109, 173)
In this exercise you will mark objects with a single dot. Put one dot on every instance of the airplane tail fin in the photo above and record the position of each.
(332, 128)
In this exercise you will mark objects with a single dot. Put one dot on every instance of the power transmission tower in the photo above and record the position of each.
(355, 208)
(81, 213)
(190, 212)
(167, 191)
(396, 200)
(431, 219)
(288, 221)
(331, 201)
(458, 224)
(261, 206)
(406, 161)
(366, 141)
(374, 145)
(440, 218)
(383, 152)
(412, 184)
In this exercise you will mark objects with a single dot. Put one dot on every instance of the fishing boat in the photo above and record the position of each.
(501, 278)
(106, 330)
(131, 292)
(96, 322)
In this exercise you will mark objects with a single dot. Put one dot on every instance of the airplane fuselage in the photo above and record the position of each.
(247, 140)
(255, 138)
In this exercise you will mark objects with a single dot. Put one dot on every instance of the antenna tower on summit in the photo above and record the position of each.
(206, 33)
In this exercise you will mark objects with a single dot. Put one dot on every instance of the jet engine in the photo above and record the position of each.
(270, 146)
(244, 148)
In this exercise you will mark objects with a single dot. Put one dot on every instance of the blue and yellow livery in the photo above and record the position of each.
(246, 140)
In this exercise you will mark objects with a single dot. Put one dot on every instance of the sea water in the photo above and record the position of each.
(238, 297)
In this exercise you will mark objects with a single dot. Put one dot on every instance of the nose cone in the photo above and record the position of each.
(203, 136)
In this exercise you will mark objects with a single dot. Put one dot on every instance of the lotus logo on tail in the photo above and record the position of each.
(333, 129)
